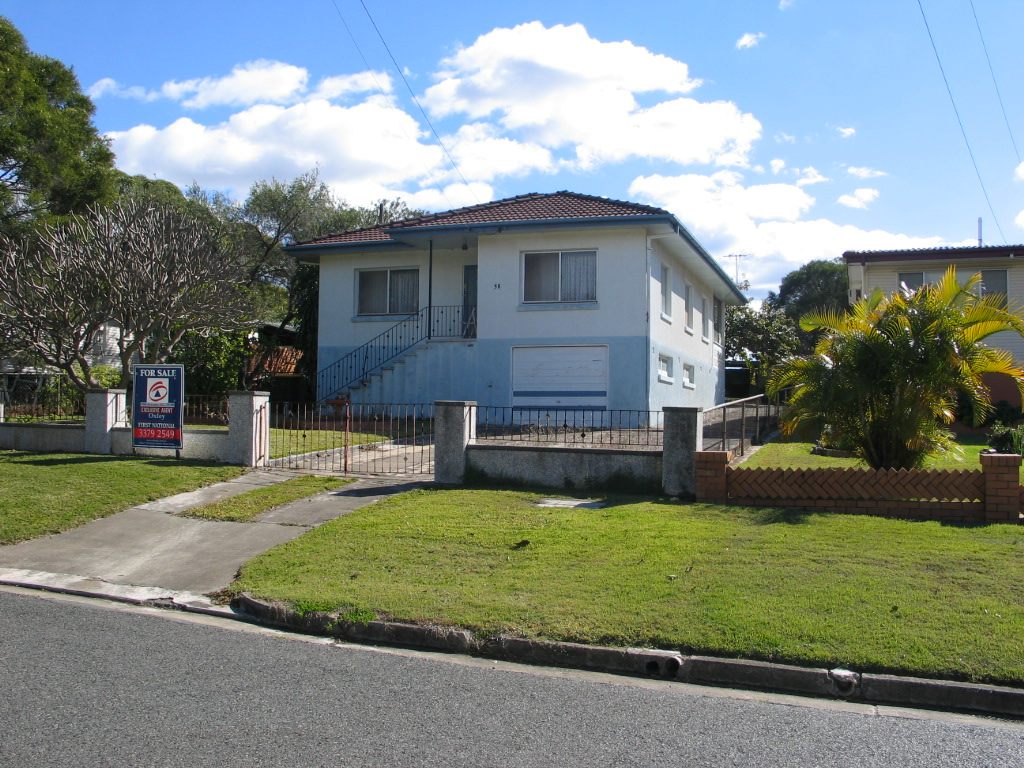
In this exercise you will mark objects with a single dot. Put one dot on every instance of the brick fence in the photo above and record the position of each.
(991, 494)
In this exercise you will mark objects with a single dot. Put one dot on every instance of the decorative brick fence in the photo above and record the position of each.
(991, 494)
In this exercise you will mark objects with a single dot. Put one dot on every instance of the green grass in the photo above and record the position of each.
(44, 493)
(786, 454)
(863, 592)
(288, 442)
(246, 506)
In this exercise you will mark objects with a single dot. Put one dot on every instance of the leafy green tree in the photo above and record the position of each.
(760, 339)
(214, 363)
(817, 286)
(52, 160)
(887, 374)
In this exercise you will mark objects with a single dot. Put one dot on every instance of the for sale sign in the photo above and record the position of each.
(158, 406)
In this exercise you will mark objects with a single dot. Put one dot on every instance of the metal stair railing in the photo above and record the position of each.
(439, 322)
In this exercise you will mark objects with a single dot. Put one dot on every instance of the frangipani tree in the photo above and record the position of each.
(887, 373)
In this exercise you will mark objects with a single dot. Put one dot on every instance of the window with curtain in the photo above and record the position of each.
(388, 291)
(553, 276)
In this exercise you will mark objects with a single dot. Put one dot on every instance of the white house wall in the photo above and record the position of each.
(885, 275)
(685, 346)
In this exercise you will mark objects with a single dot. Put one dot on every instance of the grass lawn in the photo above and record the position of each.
(857, 591)
(246, 506)
(289, 442)
(785, 454)
(49, 492)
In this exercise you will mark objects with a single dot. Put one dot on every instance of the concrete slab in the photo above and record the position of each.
(327, 506)
(225, 490)
(149, 548)
(572, 503)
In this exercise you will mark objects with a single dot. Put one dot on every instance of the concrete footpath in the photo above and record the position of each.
(151, 553)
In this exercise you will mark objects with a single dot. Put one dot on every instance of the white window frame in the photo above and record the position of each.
(705, 321)
(560, 253)
(688, 301)
(689, 376)
(387, 284)
(665, 369)
(666, 292)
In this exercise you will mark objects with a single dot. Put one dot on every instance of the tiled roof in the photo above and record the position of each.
(554, 206)
(941, 252)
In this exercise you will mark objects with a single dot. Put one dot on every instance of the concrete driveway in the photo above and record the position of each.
(151, 545)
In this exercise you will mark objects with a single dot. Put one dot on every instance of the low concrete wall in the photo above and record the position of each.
(199, 444)
(566, 468)
(68, 438)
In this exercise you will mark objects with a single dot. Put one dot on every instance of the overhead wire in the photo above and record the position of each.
(995, 84)
(382, 89)
(412, 95)
(963, 131)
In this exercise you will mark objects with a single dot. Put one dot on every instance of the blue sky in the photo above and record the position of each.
(785, 131)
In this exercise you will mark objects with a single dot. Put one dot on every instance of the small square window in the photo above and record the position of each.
(665, 369)
(689, 377)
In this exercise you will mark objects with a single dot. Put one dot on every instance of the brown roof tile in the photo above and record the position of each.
(552, 206)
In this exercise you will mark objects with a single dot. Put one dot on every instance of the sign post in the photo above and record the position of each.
(158, 405)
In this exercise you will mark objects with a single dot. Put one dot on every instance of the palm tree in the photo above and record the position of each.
(886, 374)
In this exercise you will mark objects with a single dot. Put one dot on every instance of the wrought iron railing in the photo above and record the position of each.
(738, 424)
(576, 427)
(437, 322)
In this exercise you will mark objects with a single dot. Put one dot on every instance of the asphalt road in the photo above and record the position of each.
(97, 684)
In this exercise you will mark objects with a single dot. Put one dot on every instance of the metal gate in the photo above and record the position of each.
(338, 436)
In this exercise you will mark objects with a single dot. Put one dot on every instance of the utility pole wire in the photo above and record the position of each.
(963, 131)
(994, 83)
(416, 101)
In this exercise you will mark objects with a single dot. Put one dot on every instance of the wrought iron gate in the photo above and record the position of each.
(338, 436)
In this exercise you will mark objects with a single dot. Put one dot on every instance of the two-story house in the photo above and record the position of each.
(542, 300)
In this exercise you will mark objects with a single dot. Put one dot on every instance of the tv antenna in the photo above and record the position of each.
(736, 262)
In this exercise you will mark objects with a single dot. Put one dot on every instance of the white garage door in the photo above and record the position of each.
(560, 377)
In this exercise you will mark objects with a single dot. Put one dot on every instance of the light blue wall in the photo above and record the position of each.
(481, 370)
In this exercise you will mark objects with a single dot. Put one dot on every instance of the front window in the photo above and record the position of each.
(560, 276)
(389, 291)
(993, 281)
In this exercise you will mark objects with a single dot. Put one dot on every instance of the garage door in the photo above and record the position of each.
(560, 377)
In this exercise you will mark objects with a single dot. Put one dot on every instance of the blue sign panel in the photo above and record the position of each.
(158, 405)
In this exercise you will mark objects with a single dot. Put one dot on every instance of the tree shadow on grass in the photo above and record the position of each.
(51, 460)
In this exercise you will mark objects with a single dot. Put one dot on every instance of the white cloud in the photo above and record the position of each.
(785, 4)
(250, 83)
(482, 154)
(1019, 173)
(863, 172)
(749, 40)
(784, 138)
(558, 87)
(450, 196)
(861, 198)
(777, 165)
(728, 217)
(108, 86)
(1019, 221)
(809, 175)
(845, 132)
(360, 150)
(344, 85)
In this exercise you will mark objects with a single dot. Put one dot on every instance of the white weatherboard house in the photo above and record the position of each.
(556, 300)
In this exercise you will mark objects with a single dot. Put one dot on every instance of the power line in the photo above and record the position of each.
(381, 88)
(416, 101)
(994, 83)
(963, 131)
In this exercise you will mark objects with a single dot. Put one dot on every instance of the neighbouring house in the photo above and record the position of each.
(1002, 272)
(558, 300)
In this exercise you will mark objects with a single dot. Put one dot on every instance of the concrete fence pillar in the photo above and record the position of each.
(249, 428)
(1, 413)
(104, 410)
(712, 481)
(1002, 486)
(454, 428)
(681, 440)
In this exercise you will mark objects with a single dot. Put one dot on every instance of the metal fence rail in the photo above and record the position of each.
(738, 424)
(576, 427)
(40, 397)
(353, 438)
